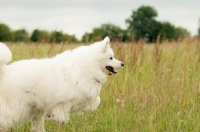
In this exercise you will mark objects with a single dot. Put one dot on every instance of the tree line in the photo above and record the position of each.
(141, 24)
(199, 27)
(21, 35)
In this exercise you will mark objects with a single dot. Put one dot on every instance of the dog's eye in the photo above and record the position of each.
(111, 58)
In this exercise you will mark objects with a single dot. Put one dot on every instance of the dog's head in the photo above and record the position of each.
(107, 61)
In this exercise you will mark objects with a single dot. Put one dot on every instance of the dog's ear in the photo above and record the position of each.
(106, 44)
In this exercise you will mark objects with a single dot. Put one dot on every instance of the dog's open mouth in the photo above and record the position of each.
(110, 70)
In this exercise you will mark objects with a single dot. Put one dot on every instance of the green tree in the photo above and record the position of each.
(59, 36)
(181, 33)
(40, 35)
(199, 30)
(21, 35)
(168, 31)
(199, 27)
(111, 30)
(5, 33)
(127, 35)
(69, 38)
(142, 22)
(56, 36)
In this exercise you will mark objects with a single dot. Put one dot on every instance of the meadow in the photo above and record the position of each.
(158, 90)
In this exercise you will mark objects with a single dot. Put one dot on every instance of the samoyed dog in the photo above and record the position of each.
(53, 88)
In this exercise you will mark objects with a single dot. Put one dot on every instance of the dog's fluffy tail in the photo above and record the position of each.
(5, 54)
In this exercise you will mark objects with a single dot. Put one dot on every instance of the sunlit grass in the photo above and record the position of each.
(157, 90)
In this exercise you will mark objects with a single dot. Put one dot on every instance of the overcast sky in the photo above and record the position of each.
(80, 16)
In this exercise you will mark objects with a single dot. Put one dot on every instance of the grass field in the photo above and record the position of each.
(158, 90)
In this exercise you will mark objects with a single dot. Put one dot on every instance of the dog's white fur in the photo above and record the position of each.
(52, 88)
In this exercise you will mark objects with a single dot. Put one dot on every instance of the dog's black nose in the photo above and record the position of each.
(122, 64)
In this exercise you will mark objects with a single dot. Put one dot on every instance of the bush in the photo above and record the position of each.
(113, 31)
(21, 35)
(59, 36)
(40, 35)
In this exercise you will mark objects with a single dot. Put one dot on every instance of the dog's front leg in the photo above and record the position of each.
(58, 114)
(92, 105)
(38, 124)
(96, 103)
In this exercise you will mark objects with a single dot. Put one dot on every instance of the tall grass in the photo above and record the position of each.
(158, 89)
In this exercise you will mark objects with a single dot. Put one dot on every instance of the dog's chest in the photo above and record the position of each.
(89, 90)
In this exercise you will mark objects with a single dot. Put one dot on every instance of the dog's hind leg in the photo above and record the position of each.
(38, 124)
(2, 129)
(7, 118)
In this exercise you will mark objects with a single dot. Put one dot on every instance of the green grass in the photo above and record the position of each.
(158, 90)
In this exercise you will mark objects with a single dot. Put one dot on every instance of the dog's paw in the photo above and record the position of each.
(49, 116)
(59, 119)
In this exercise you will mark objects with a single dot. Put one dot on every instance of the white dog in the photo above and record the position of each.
(33, 89)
